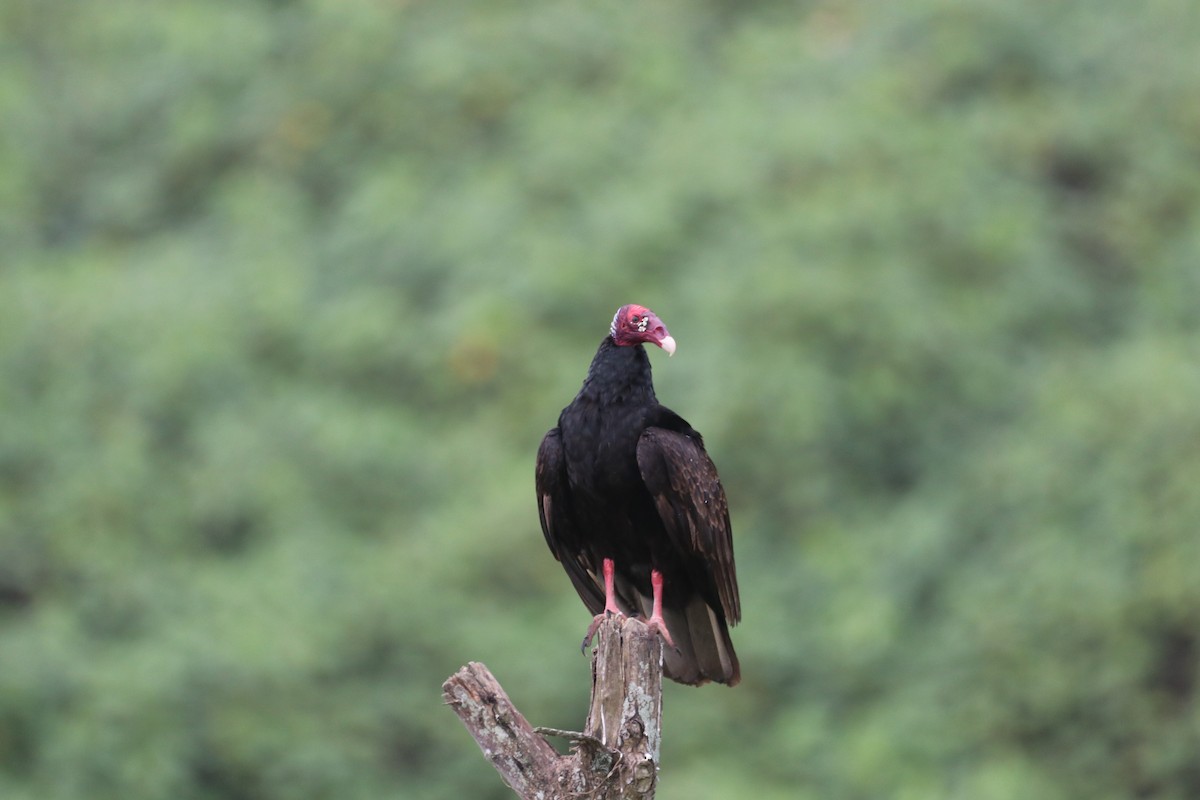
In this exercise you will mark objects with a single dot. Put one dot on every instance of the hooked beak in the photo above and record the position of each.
(668, 343)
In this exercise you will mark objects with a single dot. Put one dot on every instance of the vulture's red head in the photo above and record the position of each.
(634, 324)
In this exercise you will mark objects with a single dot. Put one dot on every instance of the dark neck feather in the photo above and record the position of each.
(619, 374)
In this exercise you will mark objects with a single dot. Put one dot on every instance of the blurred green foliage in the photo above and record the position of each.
(291, 290)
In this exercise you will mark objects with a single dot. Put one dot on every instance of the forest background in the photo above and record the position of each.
(290, 291)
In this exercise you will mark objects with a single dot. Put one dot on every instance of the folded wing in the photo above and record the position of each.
(687, 491)
(554, 510)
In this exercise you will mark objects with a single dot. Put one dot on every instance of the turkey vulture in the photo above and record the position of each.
(632, 506)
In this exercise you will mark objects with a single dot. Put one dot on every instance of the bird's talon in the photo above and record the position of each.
(658, 624)
(608, 613)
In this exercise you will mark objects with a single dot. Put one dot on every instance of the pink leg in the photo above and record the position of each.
(610, 603)
(656, 619)
(610, 595)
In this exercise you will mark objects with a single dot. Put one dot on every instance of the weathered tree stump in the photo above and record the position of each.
(616, 756)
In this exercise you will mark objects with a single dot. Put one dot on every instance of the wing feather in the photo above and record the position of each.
(554, 511)
(687, 491)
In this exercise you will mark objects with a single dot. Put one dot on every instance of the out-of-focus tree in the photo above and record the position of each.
(290, 291)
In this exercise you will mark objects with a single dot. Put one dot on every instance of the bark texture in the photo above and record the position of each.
(616, 755)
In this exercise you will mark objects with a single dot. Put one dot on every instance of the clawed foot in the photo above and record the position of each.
(656, 620)
(654, 623)
(591, 631)
(660, 625)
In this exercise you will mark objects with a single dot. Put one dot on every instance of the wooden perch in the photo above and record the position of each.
(616, 756)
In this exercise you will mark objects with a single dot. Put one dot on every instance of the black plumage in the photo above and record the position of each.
(625, 479)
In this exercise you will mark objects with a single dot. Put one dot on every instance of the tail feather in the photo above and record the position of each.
(712, 648)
